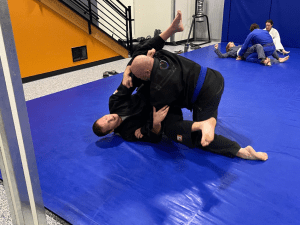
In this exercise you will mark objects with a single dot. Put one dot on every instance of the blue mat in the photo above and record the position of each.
(108, 181)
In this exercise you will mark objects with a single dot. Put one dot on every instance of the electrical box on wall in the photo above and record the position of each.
(79, 53)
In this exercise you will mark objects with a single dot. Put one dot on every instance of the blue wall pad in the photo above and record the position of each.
(108, 181)
(240, 14)
(285, 15)
(243, 14)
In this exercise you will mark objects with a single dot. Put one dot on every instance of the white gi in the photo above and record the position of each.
(276, 39)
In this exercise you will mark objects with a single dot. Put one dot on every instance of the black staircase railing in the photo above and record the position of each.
(111, 16)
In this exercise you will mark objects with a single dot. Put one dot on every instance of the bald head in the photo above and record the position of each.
(142, 66)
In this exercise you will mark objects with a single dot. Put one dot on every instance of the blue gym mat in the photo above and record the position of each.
(108, 181)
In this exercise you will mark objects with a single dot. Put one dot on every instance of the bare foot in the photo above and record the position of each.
(251, 154)
(283, 59)
(285, 52)
(208, 131)
(177, 22)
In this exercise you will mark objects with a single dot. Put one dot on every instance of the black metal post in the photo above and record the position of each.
(207, 28)
(90, 12)
(192, 27)
(130, 30)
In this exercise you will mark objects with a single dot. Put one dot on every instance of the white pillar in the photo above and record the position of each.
(17, 159)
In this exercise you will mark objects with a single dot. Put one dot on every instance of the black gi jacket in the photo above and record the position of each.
(174, 78)
(138, 109)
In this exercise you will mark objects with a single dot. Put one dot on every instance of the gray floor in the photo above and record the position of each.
(39, 88)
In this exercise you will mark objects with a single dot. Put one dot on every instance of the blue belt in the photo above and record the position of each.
(200, 82)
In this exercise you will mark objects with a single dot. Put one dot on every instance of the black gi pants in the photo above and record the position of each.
(179, 130)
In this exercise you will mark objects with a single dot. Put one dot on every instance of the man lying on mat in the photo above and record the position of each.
(254, 54)
(262, 37)
(175, 81)
(132, 115)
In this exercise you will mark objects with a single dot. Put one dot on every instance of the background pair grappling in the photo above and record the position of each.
(257, 48)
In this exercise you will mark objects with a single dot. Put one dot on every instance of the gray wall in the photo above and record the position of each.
(158, 14)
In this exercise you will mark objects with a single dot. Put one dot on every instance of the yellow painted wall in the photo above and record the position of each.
(44, 39)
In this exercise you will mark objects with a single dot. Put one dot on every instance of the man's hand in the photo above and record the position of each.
(216, 46)
(127, 79)
(239, 58)
(151, 53)
(160, 115)
(138, 133)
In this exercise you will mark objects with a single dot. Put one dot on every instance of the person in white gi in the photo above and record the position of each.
(276, 37)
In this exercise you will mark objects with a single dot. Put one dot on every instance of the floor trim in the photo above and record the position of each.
(70, 69)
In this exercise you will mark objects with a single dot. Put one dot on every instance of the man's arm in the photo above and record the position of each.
(220, 55)
(151, 131)
(246, 44)
(120, 98)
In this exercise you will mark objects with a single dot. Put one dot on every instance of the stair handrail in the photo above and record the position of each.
(85, 8)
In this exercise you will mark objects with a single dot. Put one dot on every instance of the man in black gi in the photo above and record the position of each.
(181, 83)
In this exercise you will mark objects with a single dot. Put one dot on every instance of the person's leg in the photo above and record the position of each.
(206, 118)
(281, 60)
(186, 133)
(275, 55)
(205, 109)
(256, 54)
(253, 57)
(255, 48)
(222, 145)
(181, 131)
(176, 26)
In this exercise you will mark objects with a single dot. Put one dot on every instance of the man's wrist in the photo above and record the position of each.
(156, 128)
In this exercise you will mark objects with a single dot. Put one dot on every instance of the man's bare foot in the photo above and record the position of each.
(285, 52)
(283, 59)
(251, 154)
(177, 22)
(267, 62)
(208, 131)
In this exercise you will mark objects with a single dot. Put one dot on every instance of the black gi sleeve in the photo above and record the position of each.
(130, 125)
(157, 43)
(120, 97)
(146, 130)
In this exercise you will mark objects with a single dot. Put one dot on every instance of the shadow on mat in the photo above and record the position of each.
(107, 142)
(217, 177)
(180, 154)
